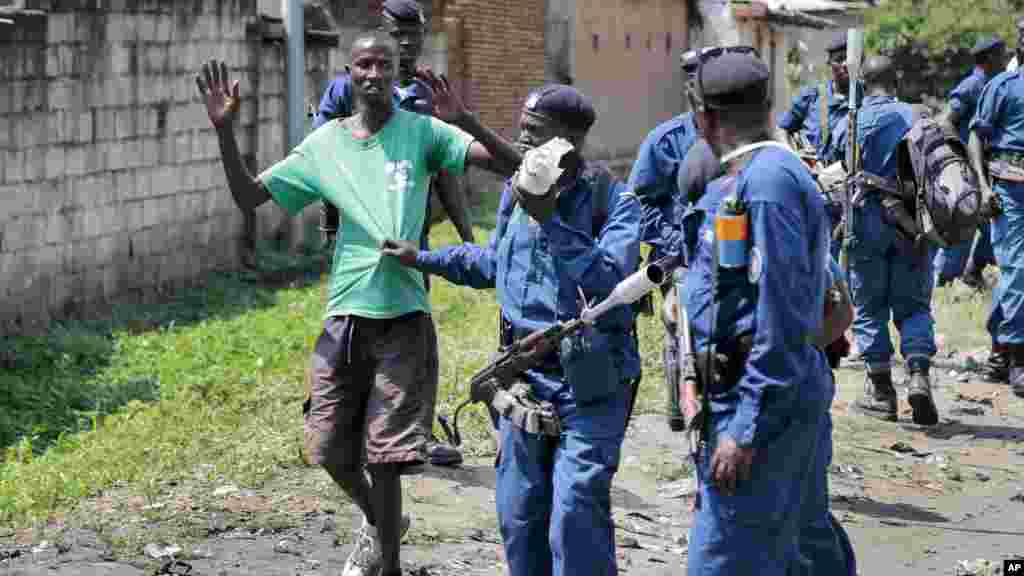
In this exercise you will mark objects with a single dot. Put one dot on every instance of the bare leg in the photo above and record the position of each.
(356, 486)
(386, 500)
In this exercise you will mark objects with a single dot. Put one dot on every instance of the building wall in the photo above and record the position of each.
(626, 58)
(110, 176)
(496, 51)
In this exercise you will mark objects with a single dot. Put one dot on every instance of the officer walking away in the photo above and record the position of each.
(655, 180)
(817, 109)
(373, 363)
(989, 58)
(998, 123)
(890, 273)
(554, 492)
(760, 234)
(403, 20)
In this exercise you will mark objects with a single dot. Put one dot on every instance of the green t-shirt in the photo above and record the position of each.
(380, 187)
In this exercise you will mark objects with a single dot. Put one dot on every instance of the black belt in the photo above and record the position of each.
(727, 367)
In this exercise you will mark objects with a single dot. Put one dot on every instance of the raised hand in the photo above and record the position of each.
(447, 104)
(220, 95)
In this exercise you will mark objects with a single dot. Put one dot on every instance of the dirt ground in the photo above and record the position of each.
(915, 501)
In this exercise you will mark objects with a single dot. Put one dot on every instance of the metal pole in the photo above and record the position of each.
(295, 69)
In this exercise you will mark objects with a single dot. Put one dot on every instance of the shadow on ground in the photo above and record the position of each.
(876, 509)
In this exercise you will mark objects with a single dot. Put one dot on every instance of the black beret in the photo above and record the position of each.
(563, 104)
(985, 44)
(734, 78)
(404, 11)
(877, 66)
(837, 43)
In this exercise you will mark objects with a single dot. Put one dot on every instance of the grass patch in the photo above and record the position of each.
(208, 387)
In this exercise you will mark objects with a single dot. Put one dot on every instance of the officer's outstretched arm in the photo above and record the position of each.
(468, 264)
(597, 265)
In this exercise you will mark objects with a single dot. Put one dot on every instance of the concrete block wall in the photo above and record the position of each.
(110, 175)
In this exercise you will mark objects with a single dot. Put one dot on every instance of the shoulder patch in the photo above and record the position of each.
(756, 267)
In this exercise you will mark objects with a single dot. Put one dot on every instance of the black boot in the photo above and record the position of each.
(919, 393)
(997, 367)
(1016, 376)
(879, 399)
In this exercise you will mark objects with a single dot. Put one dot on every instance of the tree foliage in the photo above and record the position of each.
(931, 39)
(939, 26)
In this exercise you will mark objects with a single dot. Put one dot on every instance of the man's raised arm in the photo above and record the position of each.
(222, 104)
(489, 150)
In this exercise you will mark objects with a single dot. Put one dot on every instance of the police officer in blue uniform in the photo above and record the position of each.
(755, 291)
(655, 181)
(554, 493)
(405, 22)
(890, 272)
(999, 122)
(989, 58)
(804, 116)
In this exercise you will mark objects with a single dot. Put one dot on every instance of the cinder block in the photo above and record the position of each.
(164, 28)
(60, 95)
(14, 163)
(24, 232)
(52, 61)
(15, 200)
(74, 161)
(60, 27)
(56, 127)
(125, 123)
(66, 58)
(85, 123)
(6, 137)
(35, 163)
(55, 162)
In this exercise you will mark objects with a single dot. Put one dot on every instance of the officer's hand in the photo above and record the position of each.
(689, 403)
(540, 208)
(730, 464)
(405, 251)
(990, 205)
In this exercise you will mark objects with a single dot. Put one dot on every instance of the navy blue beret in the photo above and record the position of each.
(564, 104)
(985, 44)
(837, 43)
(734, 78)
(404, 11)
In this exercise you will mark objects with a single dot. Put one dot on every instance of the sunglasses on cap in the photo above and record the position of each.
(708, 54)
(837, 57)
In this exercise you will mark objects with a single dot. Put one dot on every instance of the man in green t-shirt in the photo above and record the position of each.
(372, 364)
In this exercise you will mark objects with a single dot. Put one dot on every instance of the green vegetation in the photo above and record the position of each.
(210, 381)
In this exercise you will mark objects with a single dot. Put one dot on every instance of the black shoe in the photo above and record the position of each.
(1016, 378)
(676, 423)
(996, 368)
(879, 399)
(919, 395)
(441, 454)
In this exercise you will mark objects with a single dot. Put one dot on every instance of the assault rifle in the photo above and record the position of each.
(854, 52)
(495, 383)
